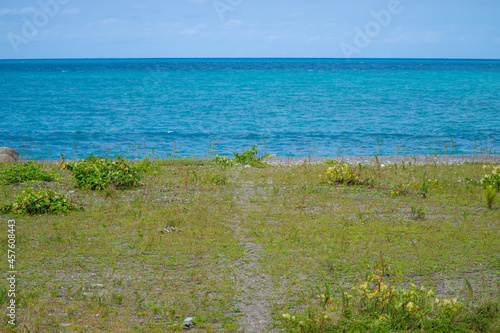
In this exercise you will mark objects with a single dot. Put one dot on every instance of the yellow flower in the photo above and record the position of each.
(409, 306)
(382, 318)
(333, 308)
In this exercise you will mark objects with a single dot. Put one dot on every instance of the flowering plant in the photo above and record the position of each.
(340, 173)
(493, 179)
(374, 306)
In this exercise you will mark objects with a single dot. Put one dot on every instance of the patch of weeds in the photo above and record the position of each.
(97, 173)
(216, 179)
(40, 202)
(3, 296)
(490, 193)
(27, 172)
(373, 306)
(491, 185)
(417, 213)
(146, 166)
(424, 188)
(247, 157)
(225, 161)
(340, 173)
(400, 190)
(110, 192)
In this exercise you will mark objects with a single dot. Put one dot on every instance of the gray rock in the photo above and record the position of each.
(4, 158)
(11, 152)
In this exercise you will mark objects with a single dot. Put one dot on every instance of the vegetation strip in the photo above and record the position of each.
(363, 247)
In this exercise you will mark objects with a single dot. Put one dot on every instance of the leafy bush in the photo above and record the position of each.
(340, 173)
(225, 161)
(40, 202)
(493, 179)
(248, 157)
(373, 306)
(97, 173)
(27, 172)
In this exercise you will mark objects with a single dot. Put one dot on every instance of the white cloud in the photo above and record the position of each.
(4, 11)
(232, 23)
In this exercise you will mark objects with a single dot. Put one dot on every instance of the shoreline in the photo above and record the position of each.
(365, 160)
(391, 159)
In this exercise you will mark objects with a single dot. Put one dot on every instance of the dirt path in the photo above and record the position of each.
(254, 287)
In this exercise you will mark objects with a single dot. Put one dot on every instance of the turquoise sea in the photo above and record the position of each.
(290, 107)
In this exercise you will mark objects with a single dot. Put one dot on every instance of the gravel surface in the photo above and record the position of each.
(419, 159)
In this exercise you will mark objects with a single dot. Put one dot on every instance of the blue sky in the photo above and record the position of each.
(249, 28)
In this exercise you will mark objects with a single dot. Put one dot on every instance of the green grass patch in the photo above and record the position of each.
(192, 238)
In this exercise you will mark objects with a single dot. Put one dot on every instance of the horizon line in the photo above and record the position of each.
(256, 58)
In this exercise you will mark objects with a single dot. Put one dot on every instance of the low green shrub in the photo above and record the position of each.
(373, 306)
(26, 172)
(96, 173)
(225, 161)
(340, 173)
(40, 202)
(247, 157)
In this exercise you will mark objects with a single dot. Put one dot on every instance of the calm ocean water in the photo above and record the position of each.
(295, 107)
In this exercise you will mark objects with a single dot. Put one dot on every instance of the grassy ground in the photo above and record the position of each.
(236, 256)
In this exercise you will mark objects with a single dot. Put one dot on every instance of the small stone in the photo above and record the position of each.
(10, 151)
(65, 325)
(4, 158)
(188, 323)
